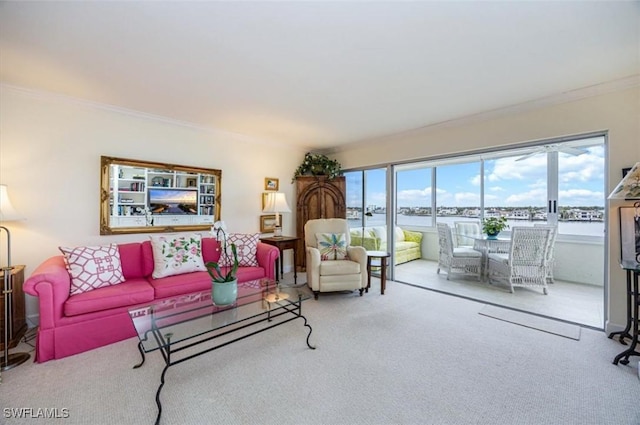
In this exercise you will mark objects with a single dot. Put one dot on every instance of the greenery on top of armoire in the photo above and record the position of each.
(318, 165)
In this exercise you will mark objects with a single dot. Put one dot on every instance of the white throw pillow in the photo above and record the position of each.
(92, 267)
(399, 235)
(246, 247)
(332, 246)
(176, 254)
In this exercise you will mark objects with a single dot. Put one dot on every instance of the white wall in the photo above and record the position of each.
(617, 112)
(50, 150)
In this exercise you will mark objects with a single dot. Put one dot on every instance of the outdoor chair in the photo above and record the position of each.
(525, 264)
(550, 250)
(456, 259)
(466, 232)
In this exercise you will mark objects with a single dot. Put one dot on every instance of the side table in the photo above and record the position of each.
(382, 256)
(14, 321)
(283, 243)
(633, 314)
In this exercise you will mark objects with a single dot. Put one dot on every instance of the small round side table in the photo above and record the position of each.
(382, 256)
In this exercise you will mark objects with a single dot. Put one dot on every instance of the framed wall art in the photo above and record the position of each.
(271, 183)
(630, 233)
(268, 223)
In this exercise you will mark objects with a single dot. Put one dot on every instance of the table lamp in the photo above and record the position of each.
(8, 213)
(276, 203)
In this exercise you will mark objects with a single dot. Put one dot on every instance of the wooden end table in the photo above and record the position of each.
(283, 243)
(382, 256)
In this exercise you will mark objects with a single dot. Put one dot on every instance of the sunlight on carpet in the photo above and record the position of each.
(531, 321)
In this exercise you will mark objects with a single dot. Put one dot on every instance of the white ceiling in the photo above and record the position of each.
(316, 74)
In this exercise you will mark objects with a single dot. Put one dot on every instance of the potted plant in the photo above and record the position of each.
(317, 165)
(494, 225)
(224, 289)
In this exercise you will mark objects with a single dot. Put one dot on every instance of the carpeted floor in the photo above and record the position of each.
(533, 322)
(411, 356)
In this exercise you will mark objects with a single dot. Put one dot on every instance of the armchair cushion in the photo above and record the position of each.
(338, 267)
(332, 246)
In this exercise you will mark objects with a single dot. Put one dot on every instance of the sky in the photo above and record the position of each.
(508, 183)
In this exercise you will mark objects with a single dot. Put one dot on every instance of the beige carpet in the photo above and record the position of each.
(411, 356)
(531, 321)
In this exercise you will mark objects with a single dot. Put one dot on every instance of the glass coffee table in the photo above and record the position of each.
(188, 326)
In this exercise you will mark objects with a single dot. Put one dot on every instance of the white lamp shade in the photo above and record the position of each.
(7, 212)
(276, 203)
(629, 186)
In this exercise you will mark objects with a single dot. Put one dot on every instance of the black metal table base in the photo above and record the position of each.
(633, 320)
(164, 341)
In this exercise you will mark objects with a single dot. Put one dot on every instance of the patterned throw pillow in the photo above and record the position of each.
(92, 267)
(332, 246)
(246, 246)
(177, 254)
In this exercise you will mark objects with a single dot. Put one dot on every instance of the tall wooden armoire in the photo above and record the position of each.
(317, 197)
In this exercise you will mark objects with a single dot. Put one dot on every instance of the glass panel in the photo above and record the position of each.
(516, 187)
(355, 202)
(458, 192)
(581, 192)
(375, 197)
(413, 197)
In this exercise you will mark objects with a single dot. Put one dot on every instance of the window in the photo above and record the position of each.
(366, 198)
(559, 182)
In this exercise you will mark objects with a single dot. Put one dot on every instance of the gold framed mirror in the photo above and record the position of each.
(151, 197)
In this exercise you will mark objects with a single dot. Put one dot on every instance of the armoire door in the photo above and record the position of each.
(317, 197)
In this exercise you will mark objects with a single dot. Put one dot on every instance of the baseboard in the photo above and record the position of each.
(612, 327)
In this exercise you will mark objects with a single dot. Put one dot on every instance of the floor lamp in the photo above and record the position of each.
(8, 213)
(276, 203)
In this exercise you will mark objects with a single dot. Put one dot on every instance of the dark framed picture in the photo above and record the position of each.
(630, 233)
(191, 182)
(268, 223)
(271, 183)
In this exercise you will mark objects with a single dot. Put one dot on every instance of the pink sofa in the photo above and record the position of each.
(74, 324)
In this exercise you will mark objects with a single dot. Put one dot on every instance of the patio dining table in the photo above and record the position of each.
(487, 246)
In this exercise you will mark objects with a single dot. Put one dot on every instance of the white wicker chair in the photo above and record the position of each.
(466, 231)
(525, 264)
(461, 259)
(550, 250)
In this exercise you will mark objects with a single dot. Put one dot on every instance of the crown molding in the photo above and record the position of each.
(61, 98)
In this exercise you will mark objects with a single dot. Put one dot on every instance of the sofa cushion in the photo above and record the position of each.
(332, 246)
(410, 236)
(92, 267)
(131, 292)
(246, 248)
(131, 260)
(185, 283)
(177, 254)
(401, 246)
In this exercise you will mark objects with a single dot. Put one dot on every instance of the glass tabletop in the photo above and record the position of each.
(630, 265)
(189, 316)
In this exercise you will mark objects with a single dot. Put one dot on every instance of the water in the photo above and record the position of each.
(582, 228)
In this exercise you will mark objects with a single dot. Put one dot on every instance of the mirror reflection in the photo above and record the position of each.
(142, 197)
